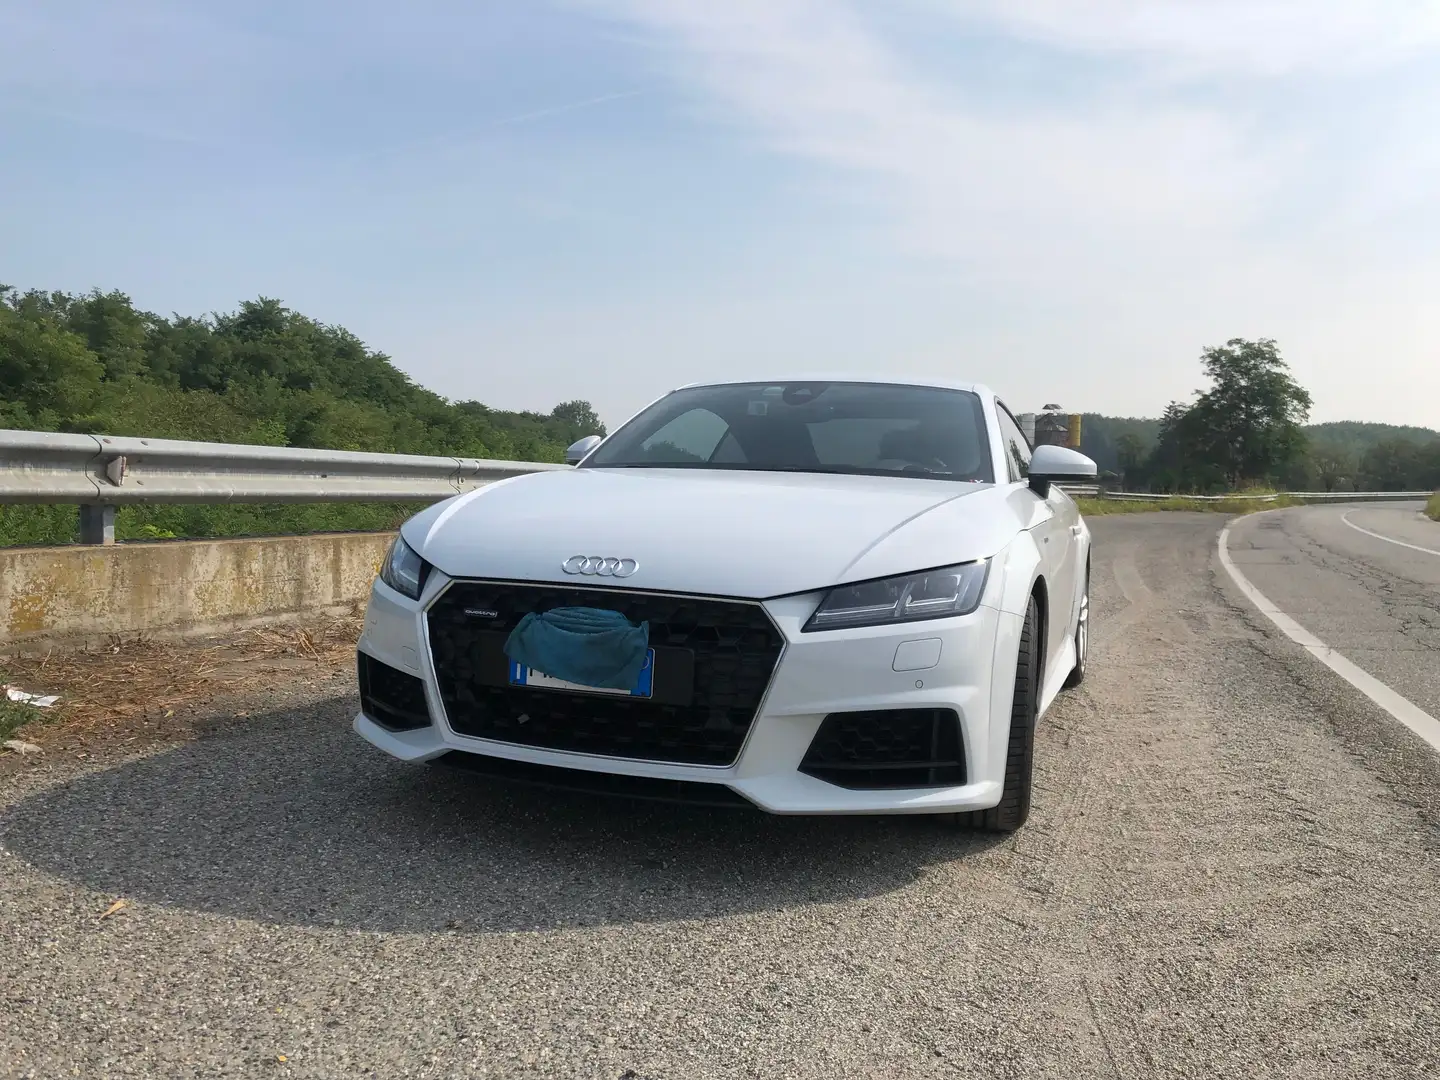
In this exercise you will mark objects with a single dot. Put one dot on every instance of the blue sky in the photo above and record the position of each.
(524, 202)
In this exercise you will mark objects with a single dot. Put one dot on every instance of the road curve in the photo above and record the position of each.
(1230, 870)
(1363, 579)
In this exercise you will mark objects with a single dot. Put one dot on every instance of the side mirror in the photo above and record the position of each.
(1058, 465)
(576, 451)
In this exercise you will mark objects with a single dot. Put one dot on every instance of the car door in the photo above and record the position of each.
(1071, 526)
(1051, 527)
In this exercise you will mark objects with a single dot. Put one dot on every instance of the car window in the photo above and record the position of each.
(891, 444)
(1017, 448)
(830, 427)
(854, 440)
(729, 452)
(691, 437)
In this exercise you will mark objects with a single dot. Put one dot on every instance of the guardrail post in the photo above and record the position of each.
(97, 524)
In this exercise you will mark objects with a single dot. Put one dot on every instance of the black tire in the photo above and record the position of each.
(1014, 806)
(1082, 637)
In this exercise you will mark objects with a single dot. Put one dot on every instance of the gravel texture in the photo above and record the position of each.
(1230, 870)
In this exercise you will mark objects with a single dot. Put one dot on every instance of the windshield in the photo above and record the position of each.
(872, 429)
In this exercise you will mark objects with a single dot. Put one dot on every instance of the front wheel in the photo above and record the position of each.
(1014, 806)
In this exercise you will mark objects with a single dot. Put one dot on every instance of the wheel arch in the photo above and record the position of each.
(1041, 592)
(1022, 578)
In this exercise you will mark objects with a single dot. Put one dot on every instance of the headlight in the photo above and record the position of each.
(403, 570)
(931, 594)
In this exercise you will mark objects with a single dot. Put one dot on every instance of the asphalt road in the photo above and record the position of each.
(1364, 579)
(1231, 869)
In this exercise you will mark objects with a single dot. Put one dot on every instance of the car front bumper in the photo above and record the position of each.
(942, 664)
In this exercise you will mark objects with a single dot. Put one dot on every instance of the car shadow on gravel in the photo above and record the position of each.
(293, 819)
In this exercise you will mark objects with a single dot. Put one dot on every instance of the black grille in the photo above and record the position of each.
(391, 698)
(713, 662)
(648, 788)
(896, 748)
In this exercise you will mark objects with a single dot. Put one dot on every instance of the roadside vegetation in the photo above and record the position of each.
(40, 525)
(15, 715)
(1247, 429)
(1432, 508)
(1091, 507)
(262, 374)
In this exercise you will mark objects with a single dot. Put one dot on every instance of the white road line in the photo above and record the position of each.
(1389, 540)
(1402, 709)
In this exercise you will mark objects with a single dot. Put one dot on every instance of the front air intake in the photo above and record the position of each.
(391, 698)
(888, 748)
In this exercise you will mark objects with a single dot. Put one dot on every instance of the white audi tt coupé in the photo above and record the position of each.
(812, 596)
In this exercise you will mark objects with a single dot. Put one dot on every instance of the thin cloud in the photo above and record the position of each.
(574, 106)
(1231, 173)
(996, 187)
(456, 135)
(122, 124)
(1265, 38)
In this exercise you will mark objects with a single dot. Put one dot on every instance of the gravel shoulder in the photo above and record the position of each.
(1230, 869)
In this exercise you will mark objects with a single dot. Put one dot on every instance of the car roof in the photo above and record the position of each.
(879, 380)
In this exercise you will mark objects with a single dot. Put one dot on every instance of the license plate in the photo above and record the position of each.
(528, 676)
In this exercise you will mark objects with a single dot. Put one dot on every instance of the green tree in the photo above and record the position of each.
(262, 374)
(1246, 427)
(1335, 470)
(1401, 465)
(1100, 437)
(580, 416)
(113, 330)
(1130, 458)
(1180, 461)
(47, 375)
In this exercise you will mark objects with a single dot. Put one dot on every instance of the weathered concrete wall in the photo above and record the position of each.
(181, 587)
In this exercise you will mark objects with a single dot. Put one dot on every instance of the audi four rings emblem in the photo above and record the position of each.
(596, 566)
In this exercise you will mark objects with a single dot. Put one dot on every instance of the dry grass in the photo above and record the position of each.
(1099, 507)
(1432, 508)
(139, 687)
(15, 716)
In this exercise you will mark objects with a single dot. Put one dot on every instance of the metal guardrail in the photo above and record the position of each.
(1298, 496)
(1093, 491)
(101, 472)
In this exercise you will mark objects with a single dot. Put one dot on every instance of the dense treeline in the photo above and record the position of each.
(265, 374)
(262, 374)
(1248, 430)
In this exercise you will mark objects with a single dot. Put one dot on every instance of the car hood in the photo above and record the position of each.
(722, 533)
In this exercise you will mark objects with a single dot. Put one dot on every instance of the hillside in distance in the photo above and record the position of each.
(1357, 436)
(1346, 443)
(263, 374)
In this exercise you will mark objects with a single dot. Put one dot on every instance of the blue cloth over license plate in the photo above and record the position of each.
(582, 648)
(644, 687)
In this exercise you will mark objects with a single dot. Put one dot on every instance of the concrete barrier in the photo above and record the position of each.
(179, 588)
